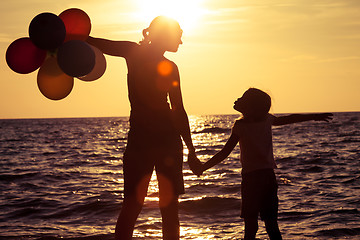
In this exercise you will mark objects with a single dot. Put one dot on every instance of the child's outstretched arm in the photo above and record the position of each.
(295, 118)
(223, 153)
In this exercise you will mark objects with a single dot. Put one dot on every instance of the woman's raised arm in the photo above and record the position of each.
(110, 47)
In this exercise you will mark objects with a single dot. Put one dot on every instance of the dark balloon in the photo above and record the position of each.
(22, 56)
(52, 82)
(99, 68)
(77, 24)
(47, 31)
(76, 58)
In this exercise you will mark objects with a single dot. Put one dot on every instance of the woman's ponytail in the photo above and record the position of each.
(145, 39)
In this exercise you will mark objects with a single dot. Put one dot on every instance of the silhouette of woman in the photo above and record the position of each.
(156, 125)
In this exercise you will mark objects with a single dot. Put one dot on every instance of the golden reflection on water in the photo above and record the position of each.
(185, 232)
(149, 234)
(197, 123)
(153, 188)
(190, 232)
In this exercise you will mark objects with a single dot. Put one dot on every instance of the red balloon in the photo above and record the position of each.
(22, 56)
(99, 68)
(76, 58)
(77, 24)
(47, 31)
(52, 82)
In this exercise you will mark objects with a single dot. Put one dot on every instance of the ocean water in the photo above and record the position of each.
(62, 179)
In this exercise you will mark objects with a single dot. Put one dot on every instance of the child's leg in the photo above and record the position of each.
(272, 229)
(251, 227)
(270, 206)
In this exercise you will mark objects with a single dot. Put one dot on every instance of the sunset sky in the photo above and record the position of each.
(305, 54)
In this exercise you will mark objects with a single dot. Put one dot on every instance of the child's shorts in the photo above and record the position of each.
(144, 153)
(259, 194)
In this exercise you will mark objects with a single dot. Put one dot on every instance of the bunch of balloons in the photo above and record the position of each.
(56, 45)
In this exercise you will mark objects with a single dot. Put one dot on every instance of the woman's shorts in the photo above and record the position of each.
(162, 151)
(259, 194)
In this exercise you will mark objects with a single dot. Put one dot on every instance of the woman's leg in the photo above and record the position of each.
(126, 222)
(272, 229)
(251, 227)
(170, 220)
(169, 207)
(130, 210)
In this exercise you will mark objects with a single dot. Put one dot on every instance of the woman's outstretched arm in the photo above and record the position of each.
(110, 47)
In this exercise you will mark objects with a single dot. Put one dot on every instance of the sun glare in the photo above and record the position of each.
(186, 12)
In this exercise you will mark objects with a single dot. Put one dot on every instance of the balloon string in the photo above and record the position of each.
(52, 53)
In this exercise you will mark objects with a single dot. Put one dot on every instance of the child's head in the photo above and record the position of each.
(254, 103)
(163, 31)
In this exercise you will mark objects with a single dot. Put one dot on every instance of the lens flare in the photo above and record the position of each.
(142, 188)
(164, 68)
(166, 191)
(175, 83)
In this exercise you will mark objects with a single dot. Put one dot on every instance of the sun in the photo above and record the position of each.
(186, 12)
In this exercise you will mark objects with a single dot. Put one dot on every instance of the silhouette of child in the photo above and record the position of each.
(254, 135)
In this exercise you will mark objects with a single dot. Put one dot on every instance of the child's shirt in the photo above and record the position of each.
(255, 144)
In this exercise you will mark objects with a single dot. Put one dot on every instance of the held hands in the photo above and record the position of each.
(323, 117)
(195, 164)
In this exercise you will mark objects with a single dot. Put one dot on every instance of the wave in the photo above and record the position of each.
(344, 211)
(90, 237)
(352, 180)
(312, 169)
(338, 232)
(206, 152)
(14, 177)
(297, 215)
(210, 205)
(86, 207)
(213, 130)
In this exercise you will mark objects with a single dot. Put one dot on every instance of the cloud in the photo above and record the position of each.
(340, 59)
(225, 15)
(319, 59)
(301, 57)
(5, 38)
